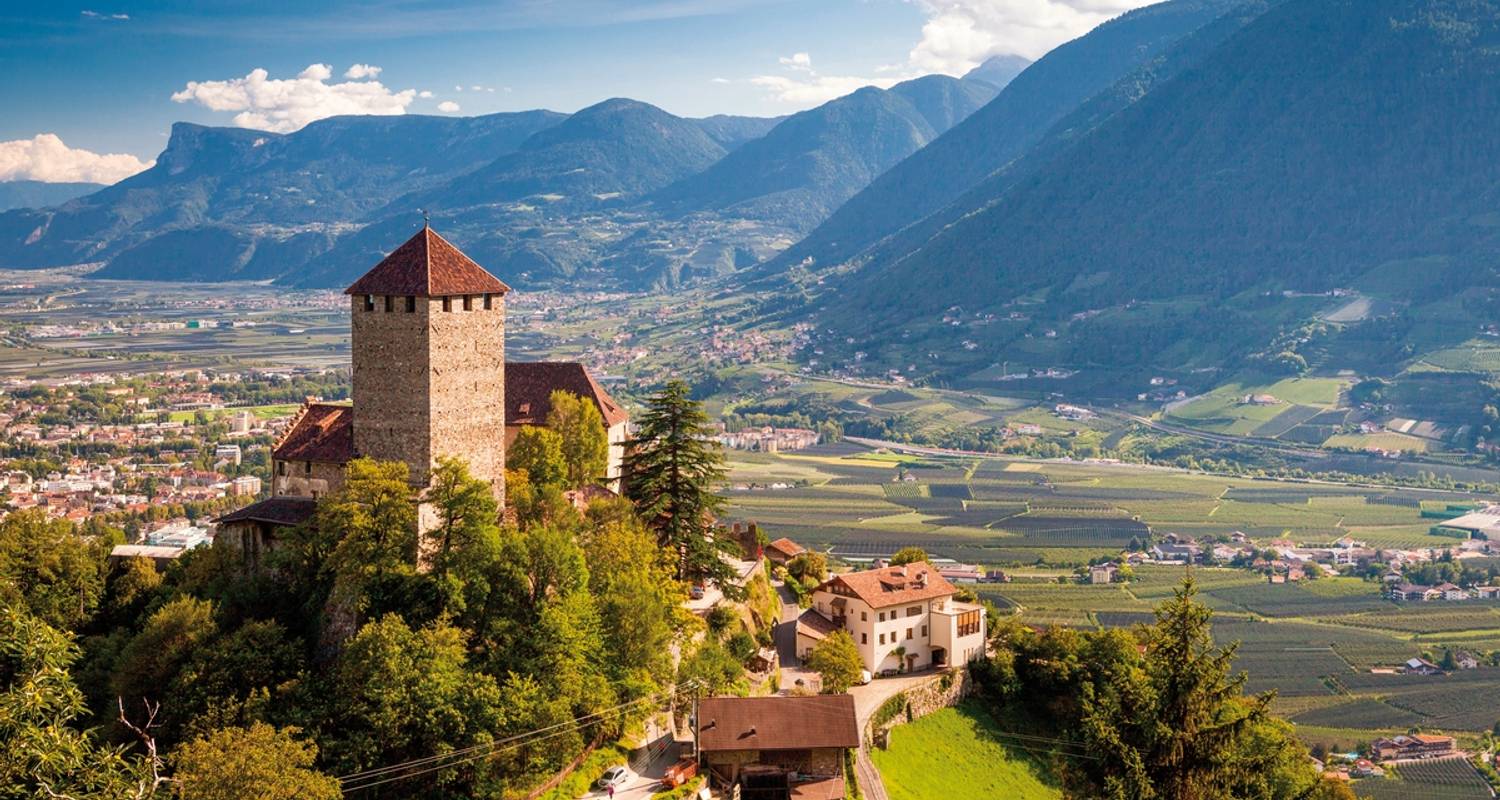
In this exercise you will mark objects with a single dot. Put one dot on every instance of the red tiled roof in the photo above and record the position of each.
(321, 432)
(893, 586)
(529, 386)
(777, 723)
(427, 266)
(276, 510)
(786, 547)
(814, 625)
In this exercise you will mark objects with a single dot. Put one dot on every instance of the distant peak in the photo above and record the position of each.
(998, 70)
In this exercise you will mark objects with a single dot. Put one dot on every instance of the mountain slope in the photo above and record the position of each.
(731, 131)
(1325, 141)
(998, 71)
(989, 139)
(329, 173)
(816, 159)
(38, 194)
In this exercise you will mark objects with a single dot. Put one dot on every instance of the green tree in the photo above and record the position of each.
(636, 595)
(1173, 725)
(837, 661)
(255, 763)
(538, 452)
(46, 565)
(672, 471)
(229, 682)
(44, 755)
(399, 694)
(369, 528)
(909, 555)
(808, 566)
(468, 530)
(171, 636)
(585, 440)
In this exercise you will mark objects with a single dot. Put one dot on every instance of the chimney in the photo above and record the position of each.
(920, 581)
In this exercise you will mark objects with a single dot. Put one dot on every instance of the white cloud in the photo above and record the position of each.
(807, 87)
(959, 34)
(45, 158)
(718, 80)
(361, 71)
(424, 94)
(476, 88)
(270, 104)
(448, 107)
(114, 17)
(458, 88)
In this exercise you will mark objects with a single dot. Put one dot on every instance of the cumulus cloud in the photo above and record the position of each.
(424, 94)
(801, 85)
(359, 72)
(285, 105)
(959, 34)
(44, 157)
(448, 107)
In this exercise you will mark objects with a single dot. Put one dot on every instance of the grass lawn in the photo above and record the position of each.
(956, 753)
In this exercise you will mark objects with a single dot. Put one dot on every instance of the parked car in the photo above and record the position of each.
(696, 592)
(679, 773)
(614, 776)
(865, 677)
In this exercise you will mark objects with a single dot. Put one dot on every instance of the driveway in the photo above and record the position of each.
(869, 697)
(785, 636)
(642, 784)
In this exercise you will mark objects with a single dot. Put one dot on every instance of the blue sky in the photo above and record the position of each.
(101, 75)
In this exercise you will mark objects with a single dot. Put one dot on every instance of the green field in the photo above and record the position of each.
(959, 752)
(1224, 411)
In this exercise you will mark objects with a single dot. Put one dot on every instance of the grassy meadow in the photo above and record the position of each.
(959, 752)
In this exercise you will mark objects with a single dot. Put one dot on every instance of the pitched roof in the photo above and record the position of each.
(786, 547)
(814, 625)
(321, 432)
(892, 586)
(777, 723)
(427, 266)
(276, 510)
(529, 386)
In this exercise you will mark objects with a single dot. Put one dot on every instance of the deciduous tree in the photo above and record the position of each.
(837, 661)
(585, 441)
(255, 763)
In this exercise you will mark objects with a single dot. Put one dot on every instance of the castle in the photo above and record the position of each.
(430, 382)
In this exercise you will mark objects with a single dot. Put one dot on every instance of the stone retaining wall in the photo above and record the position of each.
(944, 690)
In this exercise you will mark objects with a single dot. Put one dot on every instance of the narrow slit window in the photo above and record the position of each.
(369, 302)
(488, 301)
(447, 304)
(468, 303)
(390, 304)
(411, 304)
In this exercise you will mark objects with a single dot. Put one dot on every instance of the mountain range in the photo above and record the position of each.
(620, 193)
(1286, 149)
(39, 194)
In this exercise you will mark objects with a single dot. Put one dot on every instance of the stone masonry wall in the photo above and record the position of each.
(467, 385)
(391, 383)
(920, 701)
(431, 383)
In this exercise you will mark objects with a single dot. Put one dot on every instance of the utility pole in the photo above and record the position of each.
(697, 727)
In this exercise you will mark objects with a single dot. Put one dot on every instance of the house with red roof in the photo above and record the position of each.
(901, 618)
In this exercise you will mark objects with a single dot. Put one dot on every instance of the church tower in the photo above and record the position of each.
(428, 331)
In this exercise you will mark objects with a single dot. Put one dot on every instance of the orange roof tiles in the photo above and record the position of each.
(321, 432)
(892, 586)
(427, 265)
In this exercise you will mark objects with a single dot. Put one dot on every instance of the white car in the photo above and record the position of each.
(865, 677)
(614, 776)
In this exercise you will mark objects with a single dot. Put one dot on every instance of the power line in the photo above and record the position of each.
(363, 779)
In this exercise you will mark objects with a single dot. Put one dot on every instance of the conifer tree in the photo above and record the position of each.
(672, 471)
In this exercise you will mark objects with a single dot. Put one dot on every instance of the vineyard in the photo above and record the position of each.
(1448, 778)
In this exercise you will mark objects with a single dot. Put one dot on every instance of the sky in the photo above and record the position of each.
(91, 89)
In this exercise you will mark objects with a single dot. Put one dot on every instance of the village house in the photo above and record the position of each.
(783, 550)
(902, 619)
(1103, 573)
(1415, 746)
(960, 573)
(1465, 660)
(1420, 666)
(777, 748)
(1176, 552)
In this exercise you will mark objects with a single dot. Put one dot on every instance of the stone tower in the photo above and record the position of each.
(429, 361)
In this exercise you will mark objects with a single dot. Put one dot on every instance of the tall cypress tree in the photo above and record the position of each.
(672, 469)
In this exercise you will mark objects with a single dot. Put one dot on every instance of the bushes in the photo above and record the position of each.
(682, 792)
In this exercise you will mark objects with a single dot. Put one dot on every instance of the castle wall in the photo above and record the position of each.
(305, 478)
(431, 383)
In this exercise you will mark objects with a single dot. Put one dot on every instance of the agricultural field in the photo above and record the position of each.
(1448, 779)
(959, 752)
(1225, 410)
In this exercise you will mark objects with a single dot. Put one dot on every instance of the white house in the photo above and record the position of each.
(910, 609)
